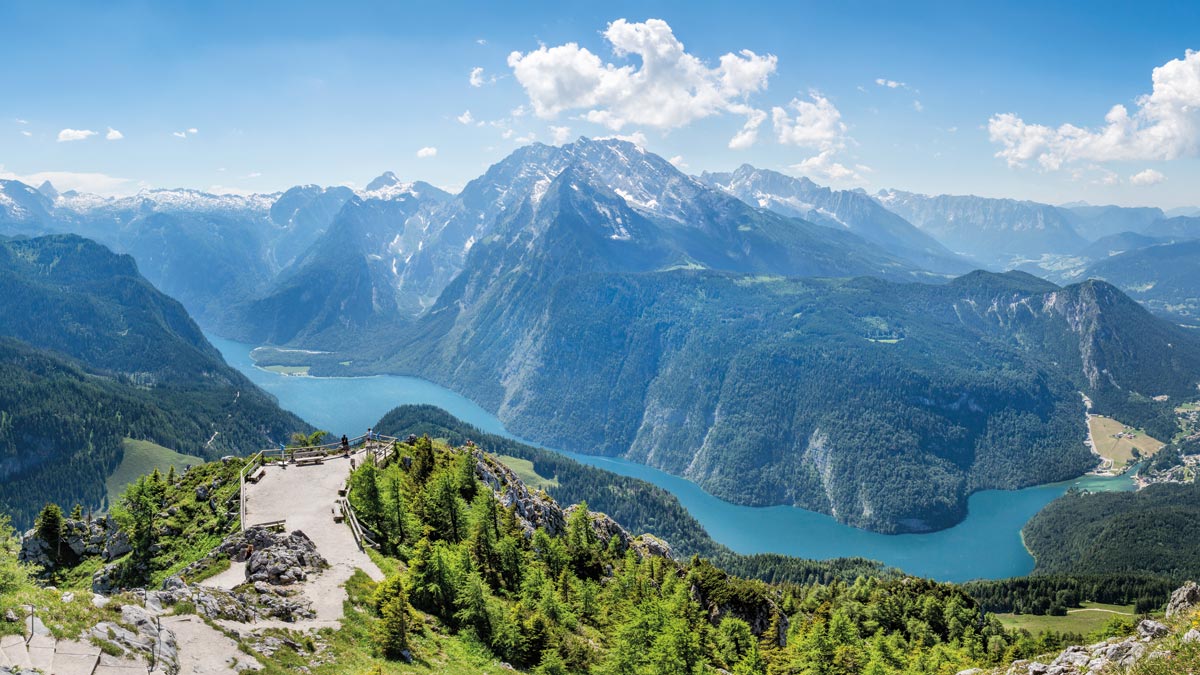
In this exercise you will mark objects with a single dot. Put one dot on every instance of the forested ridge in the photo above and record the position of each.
(1149, 531)
(91, 353)
(639, 506)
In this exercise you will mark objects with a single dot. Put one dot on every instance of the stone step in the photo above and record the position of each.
(72, 657)
(14, 650)
(117, 665)
(41, 652)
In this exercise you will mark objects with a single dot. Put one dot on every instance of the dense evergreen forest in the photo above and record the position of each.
(637, 505)
(91, 354)
(1149, 531)
(578, 597)
(1055, 594)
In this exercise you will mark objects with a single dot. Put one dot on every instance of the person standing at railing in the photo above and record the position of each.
(345, 445)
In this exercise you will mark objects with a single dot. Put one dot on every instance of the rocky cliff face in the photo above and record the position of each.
(534, 508)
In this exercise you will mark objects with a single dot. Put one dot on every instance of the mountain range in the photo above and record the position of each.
(776, 341)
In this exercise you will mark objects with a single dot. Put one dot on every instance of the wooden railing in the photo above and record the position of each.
(378, 446)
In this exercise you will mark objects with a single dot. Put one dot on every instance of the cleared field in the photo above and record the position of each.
(1091, 617)
(1117, 442)
(288, 370)
(524, 470)
(141, 458)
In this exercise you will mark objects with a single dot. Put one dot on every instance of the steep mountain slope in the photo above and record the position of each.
(884, 404)
(349, 278)
(24, 210)
(998, 233)
(840, 209)
(385, 259)
(107, 355)
(1165, 278)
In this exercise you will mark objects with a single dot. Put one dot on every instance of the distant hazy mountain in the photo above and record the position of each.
(1096, 222)
(1116, 244)
(1179, 228)
(841, 209)
(1165, 278)
(997, 233)
(93, 353)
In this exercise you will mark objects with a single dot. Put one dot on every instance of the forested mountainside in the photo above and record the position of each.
(1149, 531)
(93, 354)
(884, 404)
(636, 504)
(1165, 278)
(851, 210)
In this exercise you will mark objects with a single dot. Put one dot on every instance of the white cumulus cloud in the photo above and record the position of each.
(812, 124)
(476, 77)
(1165, 125)
(670, 88)
(427, 151)
(890, 84)
(68, 135)
(1147, 177)
(465, 118)
(825, 166)
(560, 134)
(113, 135)
(679, 163)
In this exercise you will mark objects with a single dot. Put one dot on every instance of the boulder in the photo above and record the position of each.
(1149, 629)
(286, 560)
(1192, 635)
(1184, 600)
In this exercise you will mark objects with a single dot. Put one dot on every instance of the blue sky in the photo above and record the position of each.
(917, 96)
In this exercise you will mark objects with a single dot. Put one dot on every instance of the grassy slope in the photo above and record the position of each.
(1120, 450)
(1091, 617)
(525, 471)
(141, 458)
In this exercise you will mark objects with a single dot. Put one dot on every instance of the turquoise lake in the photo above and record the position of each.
(987, 544)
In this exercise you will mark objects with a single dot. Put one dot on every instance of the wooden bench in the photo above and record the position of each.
(343, 490)
(308, 457)
(257, 475)
(338, 516)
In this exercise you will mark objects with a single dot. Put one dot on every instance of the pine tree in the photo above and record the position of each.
(423, 460)
(50, 527)
(393, 632)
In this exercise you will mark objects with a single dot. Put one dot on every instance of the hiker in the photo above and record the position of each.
(370, 435)
(345, 445)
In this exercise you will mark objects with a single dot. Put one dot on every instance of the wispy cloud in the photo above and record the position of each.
(185, 133)
(477, 78)
(465, 118)
(96, 183)
(113, 135)
(427, 151)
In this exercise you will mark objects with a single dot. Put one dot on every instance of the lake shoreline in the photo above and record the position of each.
(987, 543)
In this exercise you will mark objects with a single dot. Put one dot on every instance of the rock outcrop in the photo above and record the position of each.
(140, 634)
(1184, 600)
(80, 539)
(533, 508)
